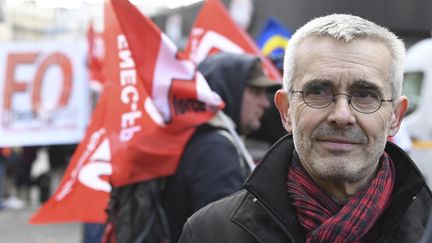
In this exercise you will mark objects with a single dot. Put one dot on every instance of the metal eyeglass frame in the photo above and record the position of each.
(334, 99)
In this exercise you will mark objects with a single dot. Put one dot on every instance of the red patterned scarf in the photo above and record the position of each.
(324, 221)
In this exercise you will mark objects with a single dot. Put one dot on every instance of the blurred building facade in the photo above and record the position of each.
(411, 20)
(27, 20)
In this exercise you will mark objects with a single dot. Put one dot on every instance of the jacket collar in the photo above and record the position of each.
(267, 183)
(408, 182)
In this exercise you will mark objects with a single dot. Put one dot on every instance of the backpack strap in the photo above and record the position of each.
(223, 121)
(228, 135)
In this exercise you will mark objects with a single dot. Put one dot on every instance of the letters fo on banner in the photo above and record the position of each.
(13, 86)
(44, 93)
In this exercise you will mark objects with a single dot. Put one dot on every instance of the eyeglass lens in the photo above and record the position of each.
(320, 96)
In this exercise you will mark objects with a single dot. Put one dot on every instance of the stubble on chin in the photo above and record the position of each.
(338, 165)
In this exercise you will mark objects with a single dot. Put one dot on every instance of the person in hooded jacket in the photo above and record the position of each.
(212, 165)
(334, 177)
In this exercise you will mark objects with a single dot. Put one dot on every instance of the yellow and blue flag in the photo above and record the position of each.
(273, 39)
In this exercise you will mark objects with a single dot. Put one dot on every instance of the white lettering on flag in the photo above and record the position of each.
(129, 93)
(99, 165)
(96, 150)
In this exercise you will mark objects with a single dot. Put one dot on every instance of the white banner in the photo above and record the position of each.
(44, 93)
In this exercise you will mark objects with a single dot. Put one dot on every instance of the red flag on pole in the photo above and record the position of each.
(83, 192)
(152, 101)
(157, 99)
(214, 30)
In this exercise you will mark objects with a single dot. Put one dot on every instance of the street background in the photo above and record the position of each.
(15, 229)
(34, 23)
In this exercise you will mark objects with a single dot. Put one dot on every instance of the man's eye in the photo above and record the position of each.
(365, 94)
(317, 90)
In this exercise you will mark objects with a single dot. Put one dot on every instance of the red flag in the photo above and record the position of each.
(96, 55)
(214, 30)
(83, 192)
(157, 98)
(143, 132)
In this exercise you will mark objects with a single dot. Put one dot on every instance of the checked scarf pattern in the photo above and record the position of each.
(324, 221)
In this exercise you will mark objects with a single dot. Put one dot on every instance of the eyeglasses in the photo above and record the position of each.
(364, 100)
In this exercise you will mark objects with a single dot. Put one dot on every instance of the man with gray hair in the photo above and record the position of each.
(334, 178)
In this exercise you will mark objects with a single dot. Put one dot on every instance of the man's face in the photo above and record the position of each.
(253, 105)
(338, 142)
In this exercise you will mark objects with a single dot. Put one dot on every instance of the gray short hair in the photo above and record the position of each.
(346, 28)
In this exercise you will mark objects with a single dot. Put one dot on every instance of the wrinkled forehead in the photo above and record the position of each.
(343, 63)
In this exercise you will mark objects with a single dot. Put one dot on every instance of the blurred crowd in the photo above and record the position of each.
(28, 174)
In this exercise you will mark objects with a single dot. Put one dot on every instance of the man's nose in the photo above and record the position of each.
(341, 112)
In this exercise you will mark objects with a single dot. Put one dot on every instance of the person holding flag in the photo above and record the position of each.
(140, 125)
(154, 100)
(179, 149)
(215, 163)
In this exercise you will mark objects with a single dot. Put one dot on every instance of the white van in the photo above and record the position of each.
(417, 87)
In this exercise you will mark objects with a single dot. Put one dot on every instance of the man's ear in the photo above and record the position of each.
(282, 103)
(398, 115)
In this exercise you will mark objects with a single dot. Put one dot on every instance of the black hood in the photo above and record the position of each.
(227, 74)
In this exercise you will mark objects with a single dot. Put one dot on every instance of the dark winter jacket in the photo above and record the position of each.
(210, 167)
(262, 211)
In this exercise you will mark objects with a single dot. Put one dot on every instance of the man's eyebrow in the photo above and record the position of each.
(361, 83)
(323, 82)
(367, 84)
